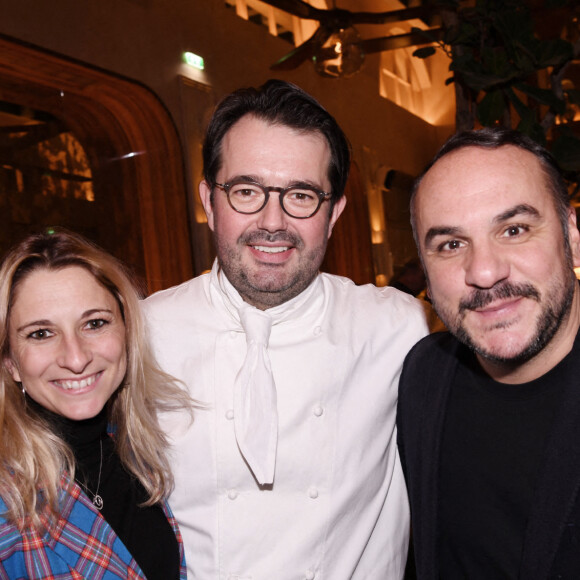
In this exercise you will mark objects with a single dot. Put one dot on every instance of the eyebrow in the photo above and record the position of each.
(34, 323)
(46, 322)
(441, 231)
(520, 209)
(244, 179)
(254, 179)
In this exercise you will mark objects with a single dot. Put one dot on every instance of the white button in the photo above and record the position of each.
(313, 493)
(317, 330)
(232, 494)
(309, 575)
(233, 334)
(318, 410)
(229, 414)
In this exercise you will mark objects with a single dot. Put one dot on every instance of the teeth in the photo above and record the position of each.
(76, 384)
(271, 250)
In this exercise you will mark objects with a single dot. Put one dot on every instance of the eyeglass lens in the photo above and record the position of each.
(249, 198)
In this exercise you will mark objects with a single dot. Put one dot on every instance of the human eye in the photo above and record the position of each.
(301, 196)
(449, 246)
(515, 230)
(245, 190)
(40, 334)
(96, 323)
(246, 196)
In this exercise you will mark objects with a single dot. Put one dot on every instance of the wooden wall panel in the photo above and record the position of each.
(134, 151)
(349, 250)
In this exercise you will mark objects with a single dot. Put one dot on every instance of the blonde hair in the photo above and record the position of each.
(35, 460)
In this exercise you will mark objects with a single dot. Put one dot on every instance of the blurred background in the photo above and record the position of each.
(103, 107)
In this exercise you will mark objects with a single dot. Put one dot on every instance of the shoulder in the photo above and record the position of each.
(178, 302)
(381, 320)
(377, 301)
(26, 550)
(432, 346)
(63, 548)
(176, 293)
(12, 551)
(10, 536)
(427, 368)
(434, 351)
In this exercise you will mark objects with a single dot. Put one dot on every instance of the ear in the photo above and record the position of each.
(205, 195)
(574, 237)
(336, 211)
(12, 369)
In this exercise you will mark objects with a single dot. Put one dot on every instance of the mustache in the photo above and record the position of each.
(481, 298)
(257, 236)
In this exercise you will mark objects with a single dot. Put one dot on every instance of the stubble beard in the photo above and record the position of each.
(272, 285)
(556, 309)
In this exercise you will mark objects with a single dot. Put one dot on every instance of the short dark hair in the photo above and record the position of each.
(493, 138)
(283, 103)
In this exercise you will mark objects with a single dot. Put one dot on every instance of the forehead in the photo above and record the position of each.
(60, 287)
(258, 148)
(477, 184)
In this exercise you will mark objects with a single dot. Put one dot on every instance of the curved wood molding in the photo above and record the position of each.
(133, 148)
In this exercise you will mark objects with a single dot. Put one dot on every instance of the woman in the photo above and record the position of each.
(83, 476)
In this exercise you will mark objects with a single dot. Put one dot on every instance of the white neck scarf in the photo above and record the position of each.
(255, 401)
(255, 410)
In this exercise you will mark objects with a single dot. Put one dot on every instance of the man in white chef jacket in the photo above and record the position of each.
(291, 469)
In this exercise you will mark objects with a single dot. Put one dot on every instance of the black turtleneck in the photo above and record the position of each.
(145, 531)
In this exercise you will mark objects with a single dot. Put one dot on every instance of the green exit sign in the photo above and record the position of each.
(194, 60)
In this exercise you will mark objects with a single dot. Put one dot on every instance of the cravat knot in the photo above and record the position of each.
(255, 408)
(256, 323)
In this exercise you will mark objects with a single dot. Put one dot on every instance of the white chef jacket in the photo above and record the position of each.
(338, 507)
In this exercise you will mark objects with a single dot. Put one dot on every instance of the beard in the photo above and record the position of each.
(556, 307)
(270, 284)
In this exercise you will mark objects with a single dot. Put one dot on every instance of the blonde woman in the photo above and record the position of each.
(83, 477)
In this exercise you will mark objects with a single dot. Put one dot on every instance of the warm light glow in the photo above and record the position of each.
(418, 85)
(377, 237)
(577, 272)
(340, 55)
(194, 60)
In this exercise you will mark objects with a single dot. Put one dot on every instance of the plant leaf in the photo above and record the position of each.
(544, 97)
(491, 108)
(425, 52)
(566, 150)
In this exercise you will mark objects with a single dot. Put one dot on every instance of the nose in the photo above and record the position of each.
(272, 218)
(485, 266)
(75, 354)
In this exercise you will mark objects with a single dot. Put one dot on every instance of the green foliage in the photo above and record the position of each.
(567, 150)
(496, 56)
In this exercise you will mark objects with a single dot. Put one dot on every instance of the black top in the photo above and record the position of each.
(493, 442)
(145, 531)
(551, 543)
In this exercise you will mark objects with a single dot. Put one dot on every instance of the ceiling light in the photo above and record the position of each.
(340, 55)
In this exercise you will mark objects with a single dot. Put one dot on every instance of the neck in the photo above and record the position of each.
(77, 434)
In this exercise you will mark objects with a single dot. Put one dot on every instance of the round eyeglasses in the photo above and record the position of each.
(297, 201)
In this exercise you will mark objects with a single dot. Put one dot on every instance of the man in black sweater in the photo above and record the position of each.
(489, 414)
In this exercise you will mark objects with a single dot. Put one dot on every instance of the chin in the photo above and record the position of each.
(81, 414)
(510, 353)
